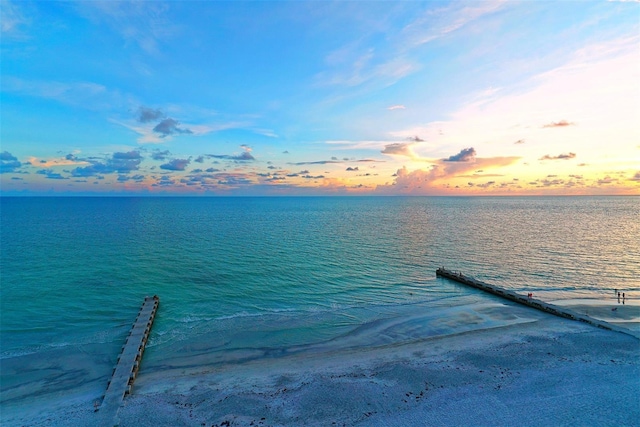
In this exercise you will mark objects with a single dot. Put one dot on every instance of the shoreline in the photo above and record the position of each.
(549, 370)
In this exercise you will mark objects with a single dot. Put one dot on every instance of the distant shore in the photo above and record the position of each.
(548, 372)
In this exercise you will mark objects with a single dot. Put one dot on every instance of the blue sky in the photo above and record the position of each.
(277, 98)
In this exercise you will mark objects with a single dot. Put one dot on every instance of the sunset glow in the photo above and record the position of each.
(320, 98)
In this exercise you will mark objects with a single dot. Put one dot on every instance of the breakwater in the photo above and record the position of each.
(126, 370)
(528, 300)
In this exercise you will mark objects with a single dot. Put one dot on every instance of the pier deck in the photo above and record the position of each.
(128, 363)
(529, 301)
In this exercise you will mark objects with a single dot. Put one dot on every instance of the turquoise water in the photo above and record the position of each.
(247, 278)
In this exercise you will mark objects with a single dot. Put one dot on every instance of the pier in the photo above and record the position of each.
(126, 370)
(528, 300)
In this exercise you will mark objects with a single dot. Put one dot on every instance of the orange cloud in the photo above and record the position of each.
(421, 180)
(55, 162)
(400, 149)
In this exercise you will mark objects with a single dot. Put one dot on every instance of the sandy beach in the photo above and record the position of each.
(550, 371)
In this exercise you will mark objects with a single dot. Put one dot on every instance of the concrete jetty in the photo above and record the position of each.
(528, 300)
(126, 370)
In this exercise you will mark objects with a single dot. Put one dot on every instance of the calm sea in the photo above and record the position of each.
(249, 278)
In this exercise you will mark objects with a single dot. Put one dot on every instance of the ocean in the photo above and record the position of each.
(243, 279)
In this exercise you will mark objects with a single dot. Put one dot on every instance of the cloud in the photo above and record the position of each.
(146, 114)
(233, 180)
(145, 24)
(486, 184)
(303, 172)
(175, 165)
(520, 141)
(435, 24)
(607, 180)
(422, 181)
(13, 18)
(519, 113)
(560, 124)
(465, 155)
(69, 160)
(130, 155)
(558, 157)
(160, 155)
(245, 156)
(50, 174)
(400, 149)
(357, 64)
(266, 132)
(164, 181)
(8, 163)
(83, 94)
(95, 168)
(169, 126)
(350, 169)
(125, 162)
(135, 178)
(396, 107)
(120, 162)
(636, 177)
(319, 162)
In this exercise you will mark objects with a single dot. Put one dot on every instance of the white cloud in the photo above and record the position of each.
(144, 23)
(13, 19)
(434, 24)
(149, 136)
(266, 132)
(88, 95)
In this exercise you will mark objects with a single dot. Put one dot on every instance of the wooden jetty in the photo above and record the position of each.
(126, 370)
(529, 301)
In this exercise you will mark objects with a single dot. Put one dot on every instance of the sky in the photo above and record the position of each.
(320, 98)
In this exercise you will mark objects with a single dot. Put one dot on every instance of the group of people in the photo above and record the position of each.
(623, 297)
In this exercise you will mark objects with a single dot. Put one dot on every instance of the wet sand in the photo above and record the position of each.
(551, 371)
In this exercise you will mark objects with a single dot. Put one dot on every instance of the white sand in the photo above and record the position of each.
(548, 372)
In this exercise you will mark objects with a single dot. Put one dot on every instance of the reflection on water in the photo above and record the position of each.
(259, 277)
